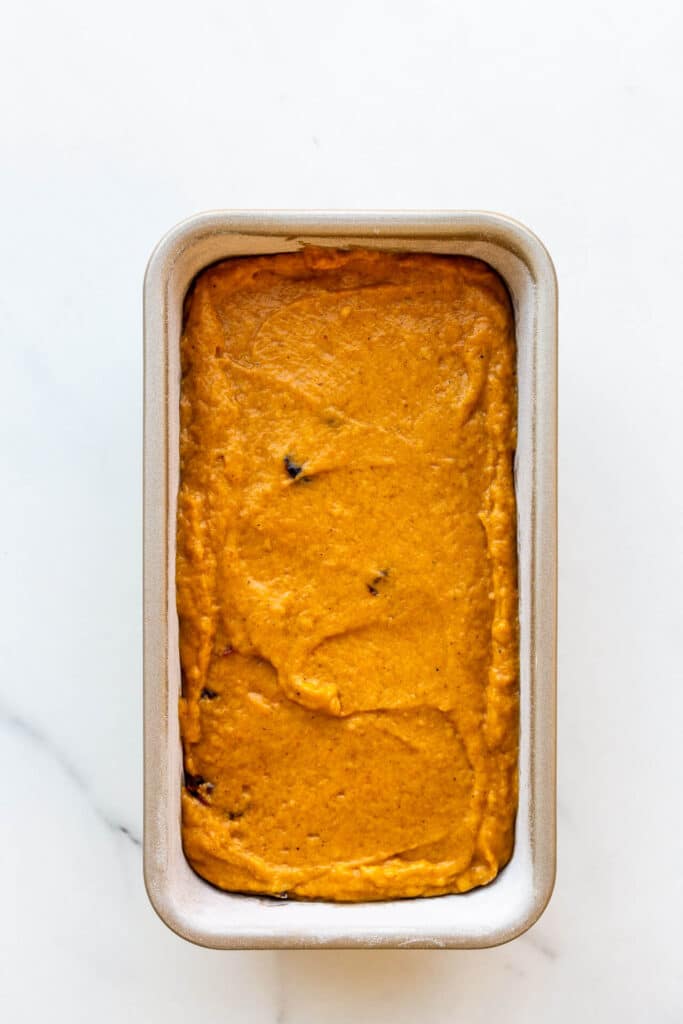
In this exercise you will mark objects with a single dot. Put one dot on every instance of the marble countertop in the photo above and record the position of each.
(126, 118)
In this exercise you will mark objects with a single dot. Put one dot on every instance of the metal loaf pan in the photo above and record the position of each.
(515, 899)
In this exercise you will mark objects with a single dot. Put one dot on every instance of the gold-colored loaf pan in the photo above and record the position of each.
(512, 902)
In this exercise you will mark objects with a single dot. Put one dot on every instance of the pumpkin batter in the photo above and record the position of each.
(346, 575)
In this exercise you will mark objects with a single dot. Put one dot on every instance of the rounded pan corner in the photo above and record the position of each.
(519, 922)
(543, 896)
(185, 232)
(535, 252)
(166, 907)
(535, 910)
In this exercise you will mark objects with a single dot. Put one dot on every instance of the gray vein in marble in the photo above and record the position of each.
(13, 723)
(540, 946)
(508, 965)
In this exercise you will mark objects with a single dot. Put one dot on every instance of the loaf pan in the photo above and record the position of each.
(511, 903)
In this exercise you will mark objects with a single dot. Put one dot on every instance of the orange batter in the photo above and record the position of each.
(346, 575)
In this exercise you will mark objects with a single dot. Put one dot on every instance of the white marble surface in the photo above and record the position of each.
(124, 118)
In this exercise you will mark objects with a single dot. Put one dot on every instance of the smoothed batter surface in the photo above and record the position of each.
(346, 575)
